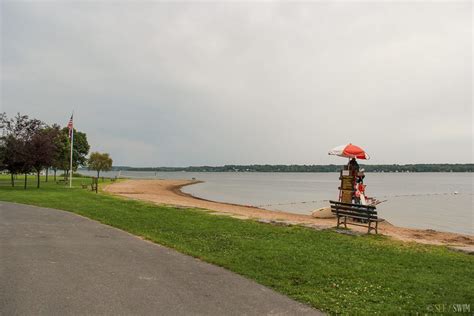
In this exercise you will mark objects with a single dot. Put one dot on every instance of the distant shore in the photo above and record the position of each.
(424, 167)
(169, 192)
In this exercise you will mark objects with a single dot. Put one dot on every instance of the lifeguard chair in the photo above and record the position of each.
(348, 181)
(349, 173)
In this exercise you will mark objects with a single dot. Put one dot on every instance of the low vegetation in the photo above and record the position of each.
(333, 272)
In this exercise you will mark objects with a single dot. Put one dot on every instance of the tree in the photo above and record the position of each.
(3, 117)
(100, 162)
(14, 159)
(41, 151)
(79, 151)
(62, 148)
(2, 154)
(17, 134)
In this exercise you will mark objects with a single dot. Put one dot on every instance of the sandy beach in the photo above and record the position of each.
(168, 192)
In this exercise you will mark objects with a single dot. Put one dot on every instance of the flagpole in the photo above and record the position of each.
(70, 162)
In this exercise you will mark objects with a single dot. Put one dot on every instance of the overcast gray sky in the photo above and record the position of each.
(176, 84)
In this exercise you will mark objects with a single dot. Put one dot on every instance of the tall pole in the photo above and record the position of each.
(70, 162)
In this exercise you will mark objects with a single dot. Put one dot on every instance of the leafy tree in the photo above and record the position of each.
(41, 151)
(3, 118)
(21, 126)
(62, 148)
(79, 151)
(100, 162)
(17, 133)
(2, 154)
(14, 159)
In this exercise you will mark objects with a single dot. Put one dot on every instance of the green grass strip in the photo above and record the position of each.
(329, 271)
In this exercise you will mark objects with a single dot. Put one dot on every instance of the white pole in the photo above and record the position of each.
(70, 164)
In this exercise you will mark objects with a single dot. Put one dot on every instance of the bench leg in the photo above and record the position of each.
(368, 231)
(345, 222)
(376, 227)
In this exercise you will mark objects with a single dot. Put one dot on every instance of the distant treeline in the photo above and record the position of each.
(310, 168)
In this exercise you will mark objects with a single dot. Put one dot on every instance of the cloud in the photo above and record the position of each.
(205, 83)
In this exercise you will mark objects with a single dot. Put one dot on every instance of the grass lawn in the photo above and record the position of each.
(332, 272)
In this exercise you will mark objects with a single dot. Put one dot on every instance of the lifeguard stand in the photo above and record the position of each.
(346, 189)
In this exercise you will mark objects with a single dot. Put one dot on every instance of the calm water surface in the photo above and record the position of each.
(418, 200)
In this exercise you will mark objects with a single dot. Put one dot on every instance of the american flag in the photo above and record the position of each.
(70, 126)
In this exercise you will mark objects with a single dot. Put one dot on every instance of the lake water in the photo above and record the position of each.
(441, 201)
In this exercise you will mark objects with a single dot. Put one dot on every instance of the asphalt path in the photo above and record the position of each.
(57, 263)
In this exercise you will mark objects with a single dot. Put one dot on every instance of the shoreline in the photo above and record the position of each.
(177, 190)
(168, 192)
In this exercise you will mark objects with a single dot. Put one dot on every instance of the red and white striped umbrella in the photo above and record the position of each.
(349, 151)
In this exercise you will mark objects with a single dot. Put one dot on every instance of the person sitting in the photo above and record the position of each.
(353, 167)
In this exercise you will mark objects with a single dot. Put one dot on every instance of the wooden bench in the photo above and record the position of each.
(365, 215)
(95, 184)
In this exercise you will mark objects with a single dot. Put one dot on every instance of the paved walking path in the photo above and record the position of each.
(55, 263)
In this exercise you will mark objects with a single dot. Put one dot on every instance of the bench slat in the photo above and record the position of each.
(355, 215)
(354, 209)
(350, 204)
(352, 214)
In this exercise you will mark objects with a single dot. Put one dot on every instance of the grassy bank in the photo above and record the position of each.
(330, 271)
